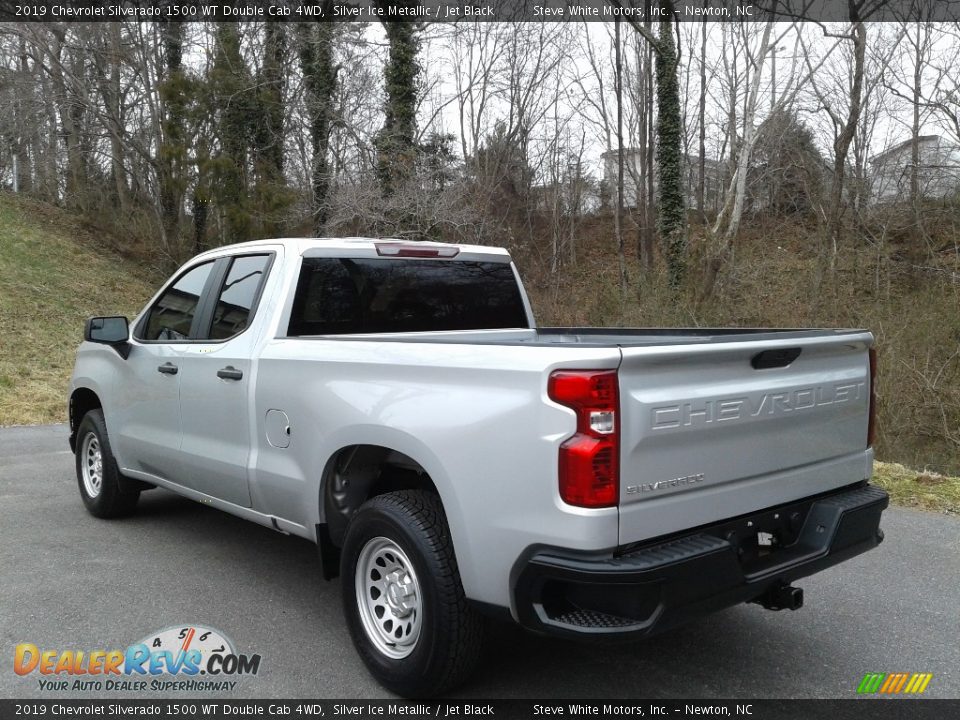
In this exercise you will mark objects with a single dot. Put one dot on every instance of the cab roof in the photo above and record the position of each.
(368, 247)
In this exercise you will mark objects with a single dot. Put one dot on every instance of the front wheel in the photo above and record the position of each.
(97, 473)
(402, 595)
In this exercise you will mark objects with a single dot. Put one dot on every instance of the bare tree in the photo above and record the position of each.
(477, 51)
(727, 225)
(909, 80)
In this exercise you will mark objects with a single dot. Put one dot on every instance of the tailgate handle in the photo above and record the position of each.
(774, 358)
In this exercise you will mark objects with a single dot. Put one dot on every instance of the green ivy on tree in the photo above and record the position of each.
(672, 211)
(396, 142)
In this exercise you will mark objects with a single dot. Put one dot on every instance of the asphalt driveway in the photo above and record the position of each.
(71, 581)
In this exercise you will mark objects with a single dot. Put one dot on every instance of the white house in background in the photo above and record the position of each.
(938, 172)
(632, 166)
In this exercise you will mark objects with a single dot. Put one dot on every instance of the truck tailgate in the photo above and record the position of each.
(717, 430)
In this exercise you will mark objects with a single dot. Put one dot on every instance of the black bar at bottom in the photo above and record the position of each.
(874, 707)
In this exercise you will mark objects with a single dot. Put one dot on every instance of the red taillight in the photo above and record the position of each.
(872, 422)
(416, 250)
(589, 461)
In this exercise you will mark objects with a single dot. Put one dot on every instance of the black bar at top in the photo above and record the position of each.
(479, 10)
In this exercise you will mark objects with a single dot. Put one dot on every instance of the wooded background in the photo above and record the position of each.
(641, 174)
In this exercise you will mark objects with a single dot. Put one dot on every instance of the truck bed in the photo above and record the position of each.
(635, 337)
(713, 422)
(604, 337)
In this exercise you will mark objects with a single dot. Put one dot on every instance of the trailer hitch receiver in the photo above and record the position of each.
(782, 597)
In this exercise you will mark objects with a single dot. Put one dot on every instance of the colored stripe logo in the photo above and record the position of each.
(894, 683)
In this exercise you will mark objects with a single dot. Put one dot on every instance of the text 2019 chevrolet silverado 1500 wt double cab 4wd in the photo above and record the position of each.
(395, 403)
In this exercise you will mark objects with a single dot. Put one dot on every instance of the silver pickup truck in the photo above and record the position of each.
(395, 404)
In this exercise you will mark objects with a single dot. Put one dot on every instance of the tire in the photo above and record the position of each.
(436, 636)
(97, 473)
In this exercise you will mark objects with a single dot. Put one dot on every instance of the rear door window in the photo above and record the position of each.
(238, 296)
(344, 296)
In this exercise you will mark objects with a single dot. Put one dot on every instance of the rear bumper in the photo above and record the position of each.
(642, 590)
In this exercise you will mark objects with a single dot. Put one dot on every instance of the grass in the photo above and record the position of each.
(920, 489)
(51, 279)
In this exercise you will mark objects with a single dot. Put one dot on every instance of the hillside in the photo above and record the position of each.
(54, 274)
(51, 279)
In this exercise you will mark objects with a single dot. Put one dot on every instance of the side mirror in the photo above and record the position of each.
(113, 331)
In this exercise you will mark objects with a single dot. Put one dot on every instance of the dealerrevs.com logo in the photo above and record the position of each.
(185, 657)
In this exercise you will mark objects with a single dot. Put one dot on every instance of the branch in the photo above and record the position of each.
(638, 27)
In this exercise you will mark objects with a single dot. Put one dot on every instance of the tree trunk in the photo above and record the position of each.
(200, 207)
(274, 77)
(650, 143)
(114, 113)
(841, 145)
(396, 142)
(618, 212)
(645, 157)
(271, 186)
(235, 105)
(915, 127)
(49, 175)
(316, 62)
(171, 155)
(22, 91)
(702, 158)
(671, 211)
(71, 111)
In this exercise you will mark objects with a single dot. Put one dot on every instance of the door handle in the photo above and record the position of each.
(230, 373)
(168, 369)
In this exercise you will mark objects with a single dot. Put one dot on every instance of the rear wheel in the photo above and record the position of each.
(98, 476)
(402, 595)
